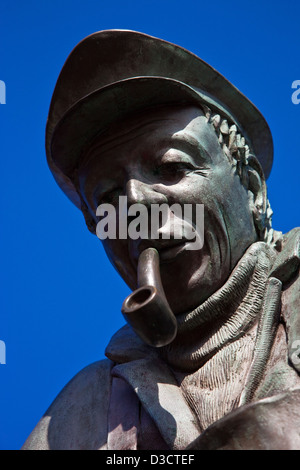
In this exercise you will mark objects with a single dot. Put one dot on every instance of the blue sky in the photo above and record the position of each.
(60, 297)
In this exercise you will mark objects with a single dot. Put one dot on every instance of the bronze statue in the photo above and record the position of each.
(209, 358)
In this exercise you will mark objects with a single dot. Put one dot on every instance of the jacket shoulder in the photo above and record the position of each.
(77, 418)
(287, 261)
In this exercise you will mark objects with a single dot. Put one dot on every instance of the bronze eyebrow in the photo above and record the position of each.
(191, 146)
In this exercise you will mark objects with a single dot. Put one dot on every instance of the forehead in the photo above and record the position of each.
(160, 125)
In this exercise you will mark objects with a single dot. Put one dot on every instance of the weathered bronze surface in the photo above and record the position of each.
(210, 358)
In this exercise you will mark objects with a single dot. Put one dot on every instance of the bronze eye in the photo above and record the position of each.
(172, 170)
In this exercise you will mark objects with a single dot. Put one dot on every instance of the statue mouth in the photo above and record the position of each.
(169, 253)
(168, 249)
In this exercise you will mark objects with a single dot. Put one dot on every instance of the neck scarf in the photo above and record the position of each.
(226, 315)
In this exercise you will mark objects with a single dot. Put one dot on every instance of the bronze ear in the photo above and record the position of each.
(257, 185)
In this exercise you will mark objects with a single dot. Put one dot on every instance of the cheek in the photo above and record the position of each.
(235, 198)
(115, 251)
(118, 255)
(224, 189)
(86, 193)
(198, 189)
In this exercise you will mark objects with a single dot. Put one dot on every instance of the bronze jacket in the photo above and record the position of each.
(241, 392)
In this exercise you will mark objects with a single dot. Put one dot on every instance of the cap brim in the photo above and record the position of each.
(94, 113)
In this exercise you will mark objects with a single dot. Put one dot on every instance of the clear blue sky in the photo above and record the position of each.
(60, 298)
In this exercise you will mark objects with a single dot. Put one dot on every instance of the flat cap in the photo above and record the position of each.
(112, 73)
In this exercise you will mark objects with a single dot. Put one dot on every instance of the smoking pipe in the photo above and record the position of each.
(147, 309)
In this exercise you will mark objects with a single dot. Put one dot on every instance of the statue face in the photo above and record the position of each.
(172, 155)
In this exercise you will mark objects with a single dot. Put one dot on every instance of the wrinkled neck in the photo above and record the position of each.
(225, 316)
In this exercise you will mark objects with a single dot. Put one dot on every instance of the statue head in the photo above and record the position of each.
(154, 123)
